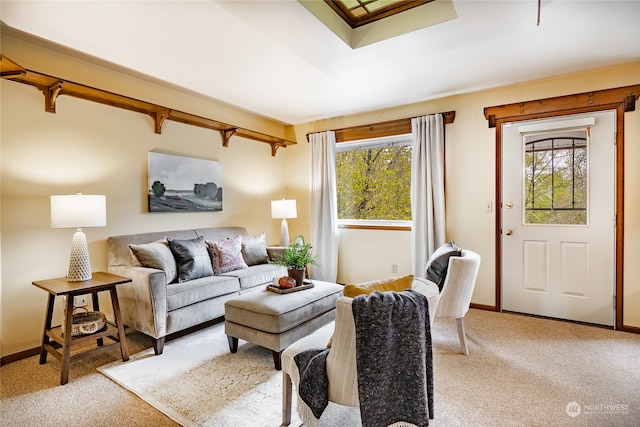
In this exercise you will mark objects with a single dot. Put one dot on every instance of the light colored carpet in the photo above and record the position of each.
(522, 371)
(31, 394)
(527, 371)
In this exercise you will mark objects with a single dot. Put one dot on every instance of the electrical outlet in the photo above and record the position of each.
(80, 301)
(394, 268)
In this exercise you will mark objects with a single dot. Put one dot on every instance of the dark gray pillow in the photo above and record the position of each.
(439, 263)
(192, 258)
(254, 249)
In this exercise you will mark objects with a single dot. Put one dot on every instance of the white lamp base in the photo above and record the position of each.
(284, 233)
(79, 265)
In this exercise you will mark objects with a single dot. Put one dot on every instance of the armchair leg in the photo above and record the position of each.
(462, 335)
(286, 399)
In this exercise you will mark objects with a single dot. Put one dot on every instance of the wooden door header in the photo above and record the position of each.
(569, 104)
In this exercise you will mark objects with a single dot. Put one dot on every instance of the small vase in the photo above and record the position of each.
(298, 274)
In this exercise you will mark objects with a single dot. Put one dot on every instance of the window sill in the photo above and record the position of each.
(375, 225)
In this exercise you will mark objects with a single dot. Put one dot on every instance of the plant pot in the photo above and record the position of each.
(298, 274)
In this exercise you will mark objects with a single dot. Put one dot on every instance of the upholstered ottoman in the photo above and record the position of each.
(274, 321)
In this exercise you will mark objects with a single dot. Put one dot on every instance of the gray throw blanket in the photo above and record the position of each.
(394, 361)
(313, 387)
(394, 358)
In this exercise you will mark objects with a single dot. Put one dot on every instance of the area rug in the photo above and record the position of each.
(198, 382)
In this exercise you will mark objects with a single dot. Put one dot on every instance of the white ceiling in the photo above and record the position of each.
(276, 59)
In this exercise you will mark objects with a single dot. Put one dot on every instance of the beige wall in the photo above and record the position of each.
(96, 149)
(470, 181)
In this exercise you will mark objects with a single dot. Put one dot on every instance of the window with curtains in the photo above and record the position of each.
(373, 182)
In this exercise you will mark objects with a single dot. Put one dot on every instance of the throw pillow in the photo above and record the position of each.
(394, 284)
(439, 263)
(226, 255)
(254, 249)
(156, 255)
(192, 258)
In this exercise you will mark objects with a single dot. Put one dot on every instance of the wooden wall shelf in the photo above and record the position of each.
(53, 87)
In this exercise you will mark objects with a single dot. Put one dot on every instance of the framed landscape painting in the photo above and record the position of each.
(184, 184)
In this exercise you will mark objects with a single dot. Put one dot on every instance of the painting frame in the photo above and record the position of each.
(183, 184)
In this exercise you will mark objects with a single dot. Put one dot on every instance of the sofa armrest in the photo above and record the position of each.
(143, 301)
(274, 252)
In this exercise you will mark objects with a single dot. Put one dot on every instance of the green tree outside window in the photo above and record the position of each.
(374, 183)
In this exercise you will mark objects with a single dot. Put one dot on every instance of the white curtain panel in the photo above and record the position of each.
(324, 208)
(428, 231)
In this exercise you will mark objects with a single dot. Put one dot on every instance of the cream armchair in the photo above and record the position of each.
(457, 290)
(341, 360)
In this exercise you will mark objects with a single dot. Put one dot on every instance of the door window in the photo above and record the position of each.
(556, 177)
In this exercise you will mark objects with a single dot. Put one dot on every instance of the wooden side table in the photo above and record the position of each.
(54, 338)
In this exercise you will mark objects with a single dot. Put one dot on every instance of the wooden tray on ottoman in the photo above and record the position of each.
(279, 290)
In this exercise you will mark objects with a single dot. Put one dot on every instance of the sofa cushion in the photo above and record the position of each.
(438, 263)
(192, 258)
(197, 290)
(226, 255)
(156, 255)
(254, 249)
(257, 275)
(394, 284)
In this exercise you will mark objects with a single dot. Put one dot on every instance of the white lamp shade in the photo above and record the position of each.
(283, 209)
(78, 210)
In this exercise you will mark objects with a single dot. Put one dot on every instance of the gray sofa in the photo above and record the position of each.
(158, 305)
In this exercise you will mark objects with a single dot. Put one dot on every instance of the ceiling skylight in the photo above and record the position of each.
(363, 22)
(361, 12)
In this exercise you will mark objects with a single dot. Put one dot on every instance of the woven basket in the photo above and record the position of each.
(85, 323)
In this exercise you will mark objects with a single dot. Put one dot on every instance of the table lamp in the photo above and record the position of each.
(284, 209)
(77, 211)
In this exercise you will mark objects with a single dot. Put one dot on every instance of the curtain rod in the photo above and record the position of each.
(378, 130)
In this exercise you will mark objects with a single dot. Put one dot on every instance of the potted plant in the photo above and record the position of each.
(296, 257)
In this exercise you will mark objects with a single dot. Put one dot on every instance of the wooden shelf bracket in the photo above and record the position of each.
(226, 135)
(51, 93)
(159, 117)
(275, 146)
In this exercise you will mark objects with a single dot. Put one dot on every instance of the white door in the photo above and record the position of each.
(558, 217)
